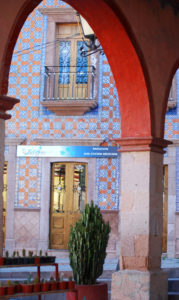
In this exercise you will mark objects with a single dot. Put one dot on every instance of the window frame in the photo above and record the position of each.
(70, 107)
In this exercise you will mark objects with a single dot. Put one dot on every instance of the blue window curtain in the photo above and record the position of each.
(64, 62)
(81, 64)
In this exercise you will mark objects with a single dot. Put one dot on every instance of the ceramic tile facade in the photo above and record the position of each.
(177, 179)
(30, 120)
(172, 118)
(172, 132)
(28, 182)
(108, 183)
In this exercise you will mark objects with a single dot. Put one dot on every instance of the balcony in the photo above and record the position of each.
(69, 90)
(172, 99)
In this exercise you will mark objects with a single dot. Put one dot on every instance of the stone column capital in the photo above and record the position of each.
(133, 144)
(6, 103)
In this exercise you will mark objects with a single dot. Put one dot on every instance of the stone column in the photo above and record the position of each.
(2, 134)
(6, 103)
(140, 276)
(170, 160)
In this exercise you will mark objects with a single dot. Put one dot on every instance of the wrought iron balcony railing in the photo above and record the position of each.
(69, 83)
(172, 99)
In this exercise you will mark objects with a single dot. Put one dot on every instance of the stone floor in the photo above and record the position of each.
(167, 263)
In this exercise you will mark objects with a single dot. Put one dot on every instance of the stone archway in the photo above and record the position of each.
(143, 81)
(132, 51)
(121, 55)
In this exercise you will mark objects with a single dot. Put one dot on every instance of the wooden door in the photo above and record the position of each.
(72, 82)
(68, 198)
(165, 208)
(4, 201)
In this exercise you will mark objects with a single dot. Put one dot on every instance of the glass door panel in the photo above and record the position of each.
(165, 208)
(79, 187)
(59, 189)
(4, 194)
(73, 68)
(68, 198)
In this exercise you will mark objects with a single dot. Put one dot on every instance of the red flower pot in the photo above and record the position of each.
(10, 290)
(37, 260)
(18, 288)
(36, 287)
(45, 287)
(91, 292)
(53, 286)
(71, 285)
(1, 261)
(2, 290)
(27, 288)
(62, 285)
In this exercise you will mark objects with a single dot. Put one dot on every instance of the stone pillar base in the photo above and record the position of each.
(137, 285)
(10, 245)
(43, 245)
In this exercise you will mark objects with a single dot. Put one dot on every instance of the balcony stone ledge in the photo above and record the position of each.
(73, 107)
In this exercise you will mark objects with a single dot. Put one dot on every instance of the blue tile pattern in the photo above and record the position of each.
(177, 179)
(30, 120)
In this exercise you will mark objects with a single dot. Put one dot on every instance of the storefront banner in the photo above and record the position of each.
(67, 151)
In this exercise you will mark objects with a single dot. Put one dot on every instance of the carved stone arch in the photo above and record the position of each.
(123, 59)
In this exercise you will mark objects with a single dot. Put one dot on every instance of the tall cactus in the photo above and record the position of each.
(87, 245)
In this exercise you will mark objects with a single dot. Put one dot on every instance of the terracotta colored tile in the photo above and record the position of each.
(102, 192)
(103, 179)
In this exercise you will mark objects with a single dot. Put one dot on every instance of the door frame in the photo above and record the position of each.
(64, 218)
(45, 193)
(165, 209)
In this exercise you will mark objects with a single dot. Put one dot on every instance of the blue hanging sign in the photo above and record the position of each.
(67, 151)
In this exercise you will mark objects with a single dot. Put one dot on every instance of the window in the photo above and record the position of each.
(4, 201)
(70, 83)
(172, 99)
(165, 208)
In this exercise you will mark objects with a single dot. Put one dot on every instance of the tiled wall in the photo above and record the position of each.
(172, 133)
(30, 120)
(108, 182)
(172, 118)
(177, 179)
(28, 182)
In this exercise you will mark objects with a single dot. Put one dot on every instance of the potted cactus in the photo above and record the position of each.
(53, 284)
(8, 260)
(1, 260)
(2, 289)
(44, 285)
(31, 259)
(18, 287)
(62, 284)
(27, 285)
(14, 258)
(71, 283)
(37, 285)
(87, 251)
(10, 288)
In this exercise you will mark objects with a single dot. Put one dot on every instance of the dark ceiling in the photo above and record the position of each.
(173, 3)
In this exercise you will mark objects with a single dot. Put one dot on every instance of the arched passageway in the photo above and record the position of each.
(127, 49)
(143, 81)
(122, 56)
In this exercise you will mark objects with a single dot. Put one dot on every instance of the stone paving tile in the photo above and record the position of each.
(169, 263)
